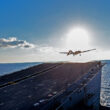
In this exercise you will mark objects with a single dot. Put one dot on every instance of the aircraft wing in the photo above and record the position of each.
(87, 50)
(63, 52)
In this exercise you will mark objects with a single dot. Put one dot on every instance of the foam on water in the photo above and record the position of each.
(105, 85)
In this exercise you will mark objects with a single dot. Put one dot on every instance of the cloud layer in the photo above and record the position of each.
(13, 42)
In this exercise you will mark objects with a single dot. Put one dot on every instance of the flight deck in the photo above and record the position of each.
(34, 86)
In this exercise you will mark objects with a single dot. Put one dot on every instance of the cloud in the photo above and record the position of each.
(13, 42)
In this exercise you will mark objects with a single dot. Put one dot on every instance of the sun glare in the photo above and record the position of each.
(77, 38)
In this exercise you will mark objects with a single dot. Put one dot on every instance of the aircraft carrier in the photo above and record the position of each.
(52, 86)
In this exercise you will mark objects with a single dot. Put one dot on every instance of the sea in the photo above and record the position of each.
(7, 68)
(105, 84)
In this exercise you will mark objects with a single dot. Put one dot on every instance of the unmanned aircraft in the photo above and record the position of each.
(76, 52)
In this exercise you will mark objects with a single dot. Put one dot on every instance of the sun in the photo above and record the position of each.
(78, 38)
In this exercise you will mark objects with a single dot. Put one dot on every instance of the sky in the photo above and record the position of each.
(37, 30)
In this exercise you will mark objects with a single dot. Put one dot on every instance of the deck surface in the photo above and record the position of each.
(44, 81)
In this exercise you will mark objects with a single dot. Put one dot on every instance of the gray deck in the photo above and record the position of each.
(39, 87)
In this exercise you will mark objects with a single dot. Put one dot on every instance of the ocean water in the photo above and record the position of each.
(105, 84)
(7, 68)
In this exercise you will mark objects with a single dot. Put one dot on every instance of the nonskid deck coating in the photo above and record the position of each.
(25, 72)
(25, 93)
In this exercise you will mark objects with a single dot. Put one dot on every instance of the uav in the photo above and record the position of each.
(76, 52)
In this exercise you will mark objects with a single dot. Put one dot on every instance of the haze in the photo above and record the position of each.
(36, 31)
